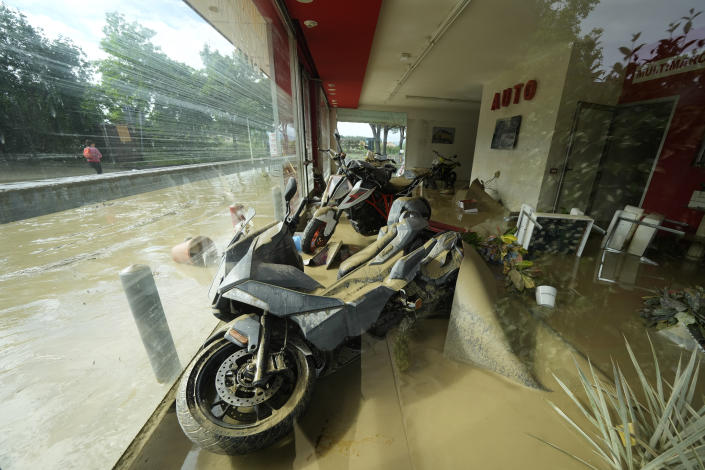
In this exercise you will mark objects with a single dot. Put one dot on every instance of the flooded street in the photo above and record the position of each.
(77, 385)
(76, 380)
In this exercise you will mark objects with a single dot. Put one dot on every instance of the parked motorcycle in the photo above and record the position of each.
(360, 189)
(252, 380)
(443, 169)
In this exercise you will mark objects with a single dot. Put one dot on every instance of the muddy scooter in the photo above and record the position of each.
(252, 380)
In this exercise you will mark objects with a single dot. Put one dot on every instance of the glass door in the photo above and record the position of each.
(634, 143)
(591, 125)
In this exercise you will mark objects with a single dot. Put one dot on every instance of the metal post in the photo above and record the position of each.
(142, 295)
(278, 201)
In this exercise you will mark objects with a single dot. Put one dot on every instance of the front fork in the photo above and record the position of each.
(255, 334)
(262, 351)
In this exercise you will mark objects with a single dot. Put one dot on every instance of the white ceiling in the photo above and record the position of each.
(486, 38)
(492, 36)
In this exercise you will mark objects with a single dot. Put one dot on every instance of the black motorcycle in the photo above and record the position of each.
(443, 169)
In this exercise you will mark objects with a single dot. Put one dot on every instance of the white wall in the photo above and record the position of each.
(522, 168)
(420, 123)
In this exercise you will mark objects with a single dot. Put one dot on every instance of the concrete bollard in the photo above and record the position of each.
(278, 201)
(143, 297)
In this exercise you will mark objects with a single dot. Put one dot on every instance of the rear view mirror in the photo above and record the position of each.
(290, 189)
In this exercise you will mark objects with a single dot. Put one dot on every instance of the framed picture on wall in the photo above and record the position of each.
(443, 135)
(506, 132)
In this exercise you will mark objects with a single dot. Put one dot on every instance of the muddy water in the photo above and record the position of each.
(76, 383)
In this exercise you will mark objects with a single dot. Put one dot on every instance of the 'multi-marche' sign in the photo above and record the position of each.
(688, 62)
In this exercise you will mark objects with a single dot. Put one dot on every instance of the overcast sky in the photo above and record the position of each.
(622, 18)
(180, 32)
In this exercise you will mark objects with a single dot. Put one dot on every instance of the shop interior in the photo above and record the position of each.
(448, 234)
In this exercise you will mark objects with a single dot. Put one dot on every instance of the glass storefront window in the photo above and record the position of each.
(125, 129)
(561, 142)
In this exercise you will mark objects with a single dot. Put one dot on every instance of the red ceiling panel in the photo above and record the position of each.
(340, 44)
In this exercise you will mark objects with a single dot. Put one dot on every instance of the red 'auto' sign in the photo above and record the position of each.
(513, 95)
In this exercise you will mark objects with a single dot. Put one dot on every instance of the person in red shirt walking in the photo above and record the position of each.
(93, 156)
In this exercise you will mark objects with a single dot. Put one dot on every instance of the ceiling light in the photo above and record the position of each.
(305, 1)
(405, 57)
(310, 23)
(330, 93)
(213, 8)
(331, 85)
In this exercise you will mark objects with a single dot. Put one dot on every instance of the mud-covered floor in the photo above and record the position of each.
(440, 413)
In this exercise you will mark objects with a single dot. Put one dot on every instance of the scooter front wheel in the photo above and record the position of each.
(314, 236)
(221, 413)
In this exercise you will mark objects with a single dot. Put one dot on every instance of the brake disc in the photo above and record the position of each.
(234, 390)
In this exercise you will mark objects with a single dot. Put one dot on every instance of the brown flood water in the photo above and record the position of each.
(76, 383)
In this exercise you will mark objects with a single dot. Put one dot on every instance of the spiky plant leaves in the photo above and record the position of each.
(596, 447)
(584, 462)
(662, 431)
(623, 411)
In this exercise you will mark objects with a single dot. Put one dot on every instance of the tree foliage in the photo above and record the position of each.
(137, 98)
(43, 85)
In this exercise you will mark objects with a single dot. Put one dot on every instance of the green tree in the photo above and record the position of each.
(181, 113)
(239, 98)
(43, 84)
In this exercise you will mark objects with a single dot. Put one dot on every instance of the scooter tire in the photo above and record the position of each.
(313, 236)
(203, 431)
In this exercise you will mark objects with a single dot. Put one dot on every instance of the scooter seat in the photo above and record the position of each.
(386, 235)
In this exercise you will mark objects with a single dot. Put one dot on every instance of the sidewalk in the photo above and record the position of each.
(23, 200)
